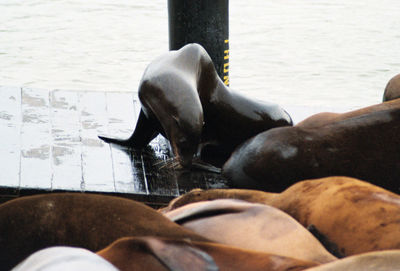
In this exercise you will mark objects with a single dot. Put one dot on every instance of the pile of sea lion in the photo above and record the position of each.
(303, 213)
(333, 223)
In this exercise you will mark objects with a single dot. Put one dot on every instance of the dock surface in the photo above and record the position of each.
(49, 143)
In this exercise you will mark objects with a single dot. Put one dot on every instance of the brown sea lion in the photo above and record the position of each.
(197, 195)
(392, 90)
(373, 261)
(184, 99)
(365, 147)
(90, 221)
(355, 215)
(325, 118)
(251, 226)
(149, 253)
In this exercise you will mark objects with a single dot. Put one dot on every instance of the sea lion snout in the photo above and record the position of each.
(185, 149)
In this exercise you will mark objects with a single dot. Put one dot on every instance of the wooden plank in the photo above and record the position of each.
(35, 139)
(121, 123)
(96, 155)
(10, 126)
(66, 143)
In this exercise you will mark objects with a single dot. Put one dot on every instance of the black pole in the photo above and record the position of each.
(205, 22)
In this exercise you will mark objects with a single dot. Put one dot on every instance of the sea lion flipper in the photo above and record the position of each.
(145, 131)
(179, 256)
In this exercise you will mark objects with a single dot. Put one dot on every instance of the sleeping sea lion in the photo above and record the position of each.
(355, 215)
(251, 226)
(352, 215)
(365, 147)
(149, 253)
(90, 221)
(184, 99)
(196, 195)
(388, 260)
(325, 118)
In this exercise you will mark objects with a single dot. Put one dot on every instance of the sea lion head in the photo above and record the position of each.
(184, 135)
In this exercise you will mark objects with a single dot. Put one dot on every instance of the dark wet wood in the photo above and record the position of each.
(49, 144)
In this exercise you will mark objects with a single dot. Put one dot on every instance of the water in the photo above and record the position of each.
(331, 54)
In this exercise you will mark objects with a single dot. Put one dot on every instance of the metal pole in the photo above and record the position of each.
(205, 22)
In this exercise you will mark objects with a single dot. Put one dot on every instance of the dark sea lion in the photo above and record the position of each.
(251, 226)
(365, 147)
(197, 195)
(90, 221)
(184, 99)
(356, 216)
(63, 259)
(392, 90)
(388, 260)
(148, 253)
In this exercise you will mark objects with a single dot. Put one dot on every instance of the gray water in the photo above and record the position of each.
(332, 54)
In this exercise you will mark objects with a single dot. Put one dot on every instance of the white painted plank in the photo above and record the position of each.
(66, 143)
(35, 139)
(96, 155)
(121, 123)
(10, 126)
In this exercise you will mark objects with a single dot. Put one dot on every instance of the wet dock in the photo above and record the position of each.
(49, 143)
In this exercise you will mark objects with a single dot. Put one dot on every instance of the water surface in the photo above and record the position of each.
(306, 52)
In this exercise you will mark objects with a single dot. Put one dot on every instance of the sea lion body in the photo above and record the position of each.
(373, 261)
(325, 118)
(196, 195)
(356, 216)
(90, 221)
(392, 90)
(251, 226)
(184, 99)
(147, 253)
(365, 147)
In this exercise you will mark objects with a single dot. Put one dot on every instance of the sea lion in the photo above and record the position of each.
(196, 195)
(373, 261)
(365, 147)
(251, 226)
(392, 90)
(184, 99)
(355, 215)
(147, 253)
(90, 221)
(325, 118)
(64, 259)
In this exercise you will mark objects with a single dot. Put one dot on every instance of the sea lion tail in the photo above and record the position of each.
(123, 142)
(145, 131)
